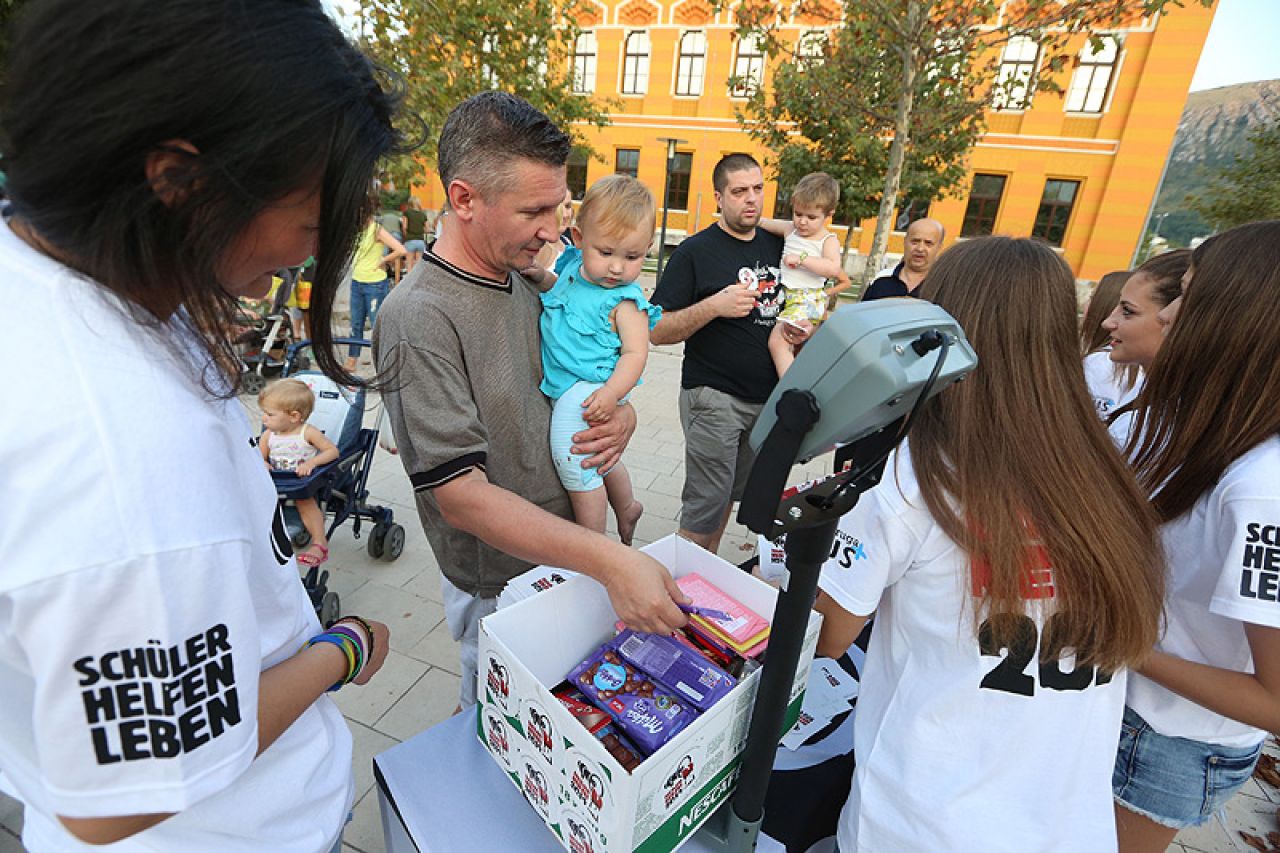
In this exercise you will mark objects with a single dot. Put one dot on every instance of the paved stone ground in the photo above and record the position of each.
(418, 685)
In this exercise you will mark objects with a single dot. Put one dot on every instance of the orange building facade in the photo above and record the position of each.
(1079, 169)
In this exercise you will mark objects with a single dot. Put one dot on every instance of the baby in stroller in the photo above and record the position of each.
(289, 443)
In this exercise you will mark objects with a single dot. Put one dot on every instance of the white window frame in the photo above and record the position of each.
(691, 64)
(811, 46)
(584, 63)
(1090, 88)
(635, 66)
(748, 66)
(1018, 63)
(488, 44)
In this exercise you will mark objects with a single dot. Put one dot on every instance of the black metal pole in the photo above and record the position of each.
(666, 205)
(807, 549)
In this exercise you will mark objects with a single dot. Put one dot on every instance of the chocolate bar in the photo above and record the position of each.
(600, 725)
(675, 667)
(648, 715)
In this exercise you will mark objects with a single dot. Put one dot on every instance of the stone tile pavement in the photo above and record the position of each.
(418, 685)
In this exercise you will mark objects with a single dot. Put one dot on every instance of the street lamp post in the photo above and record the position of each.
(666, 197)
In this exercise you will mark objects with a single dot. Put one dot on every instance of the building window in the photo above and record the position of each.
(811, 48)
(635, 64)
(1092, 79)
(984, 204)
(575, 173)
(909, 211)
(748, 67)
(584, 63)
(488, 45)
(1055, 210)
(681, 169)
(1015, 78)
(627, 162)
(691, 62)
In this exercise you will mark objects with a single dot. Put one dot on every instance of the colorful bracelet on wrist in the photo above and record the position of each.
(368, 630)
(352, 646)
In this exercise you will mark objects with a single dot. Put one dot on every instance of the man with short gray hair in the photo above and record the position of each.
(458, 344)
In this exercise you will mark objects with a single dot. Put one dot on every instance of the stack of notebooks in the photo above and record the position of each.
(721, 620)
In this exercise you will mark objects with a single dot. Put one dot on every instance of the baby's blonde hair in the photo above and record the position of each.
(818, 189)
(617, 204)
(290, 395)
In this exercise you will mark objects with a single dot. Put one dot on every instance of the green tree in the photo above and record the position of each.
(901, 87)
(449, 51)
(1249, 189)
(841, 104)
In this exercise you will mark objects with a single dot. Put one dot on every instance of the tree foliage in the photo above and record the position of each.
(831, 112)
(1249, 189)
(448, 51)
(899, 94)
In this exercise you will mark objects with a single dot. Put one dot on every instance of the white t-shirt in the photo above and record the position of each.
(799, 278)
(146, 581)
(961, 748)
(1224, 570)
(1105, 379)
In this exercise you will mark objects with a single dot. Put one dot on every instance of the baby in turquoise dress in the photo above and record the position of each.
(595, 339)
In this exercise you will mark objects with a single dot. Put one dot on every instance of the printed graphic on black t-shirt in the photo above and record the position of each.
(1260, 567)
(156, 701)
(772, 296)
(729, 354)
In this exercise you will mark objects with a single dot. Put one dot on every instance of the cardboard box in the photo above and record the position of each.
(586, 798)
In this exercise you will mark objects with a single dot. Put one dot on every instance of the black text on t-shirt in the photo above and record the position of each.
(154, 701)
(1260, 572)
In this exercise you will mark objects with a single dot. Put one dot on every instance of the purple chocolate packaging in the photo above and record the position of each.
(676, 667)
(647, 714)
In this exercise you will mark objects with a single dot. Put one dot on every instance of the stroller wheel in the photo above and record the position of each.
(393, 544)
(328, 610)
(301, 539)
(253, 383)
(378, 540)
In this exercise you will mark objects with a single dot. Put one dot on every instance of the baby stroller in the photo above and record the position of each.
(340, 487)
(267, 330)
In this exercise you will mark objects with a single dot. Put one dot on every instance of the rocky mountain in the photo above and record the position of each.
(1213, 131)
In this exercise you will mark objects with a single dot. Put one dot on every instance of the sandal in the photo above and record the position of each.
(308, 558)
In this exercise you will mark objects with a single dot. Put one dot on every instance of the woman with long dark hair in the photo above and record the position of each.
(1012, 565)
(1133, 329)
(1111, 385)
(1204, 438)
(162, 671)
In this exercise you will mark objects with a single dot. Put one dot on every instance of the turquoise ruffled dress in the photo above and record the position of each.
(578, 343)
(580, 349)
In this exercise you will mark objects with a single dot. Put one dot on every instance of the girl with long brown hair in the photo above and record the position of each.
(1132, 328)
(1111, 385)
(1204, 439)
(1012, 564)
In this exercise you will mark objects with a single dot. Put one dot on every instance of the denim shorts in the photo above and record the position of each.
(1174, 781)
(415, 245)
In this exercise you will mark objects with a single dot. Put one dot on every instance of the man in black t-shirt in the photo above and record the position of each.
(921, 245)
(719, 294)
